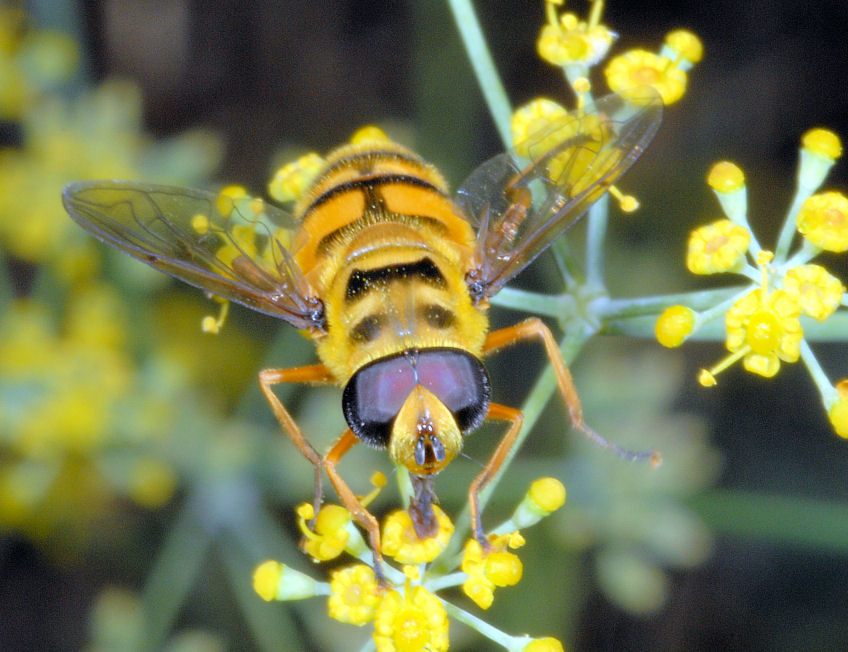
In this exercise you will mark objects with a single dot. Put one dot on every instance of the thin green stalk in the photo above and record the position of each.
(489, 631)
(607, 308)
(549, 305)
(787, 232)
(595, 238)
(484, 66)
(828, 392)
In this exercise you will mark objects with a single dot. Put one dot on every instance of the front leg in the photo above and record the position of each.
(317, 373)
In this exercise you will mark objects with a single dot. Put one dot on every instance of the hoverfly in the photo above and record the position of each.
(391, 278)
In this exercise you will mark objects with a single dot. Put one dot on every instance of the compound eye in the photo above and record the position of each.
(373, 397)
(460, 381)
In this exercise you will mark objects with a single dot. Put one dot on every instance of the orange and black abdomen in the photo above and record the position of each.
(381, 241)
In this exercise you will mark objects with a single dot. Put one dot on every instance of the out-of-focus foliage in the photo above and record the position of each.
(85, 419)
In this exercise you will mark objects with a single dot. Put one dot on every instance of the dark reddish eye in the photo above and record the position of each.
(374, 395)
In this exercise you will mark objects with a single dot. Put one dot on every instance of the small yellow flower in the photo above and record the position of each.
(292, 180)
(818, 292)
(401, 542)
(546, 644)
(411, 621)
(488, 569)
(823, 220)
(532, 117)
(674, 325)
(764, 327)
(822, 142)
(266, 577)
(686, 44)
(369, 134)
(838, 412)
(547, 494)
(275, 581)
(643, 68)
(331, 533)
(726, 177)
(354, 595)
(717, 247)
(566, 40)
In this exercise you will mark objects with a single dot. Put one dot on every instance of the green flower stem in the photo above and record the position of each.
(569, 267)
(834, 329)
(810, 524)
(486, 629)
(484, 66)
(787, 232)
(172, 576)
(444, 581)
(699, 300)
(595, 238)
(826, 389)
(548, 305)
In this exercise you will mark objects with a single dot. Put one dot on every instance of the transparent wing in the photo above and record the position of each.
(522, 200)
(235, 248)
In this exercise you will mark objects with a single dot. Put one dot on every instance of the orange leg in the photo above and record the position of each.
(317, 373)
(347, 441)
(515, 418)
(535, 327)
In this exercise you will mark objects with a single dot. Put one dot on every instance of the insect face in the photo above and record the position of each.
(419, 404)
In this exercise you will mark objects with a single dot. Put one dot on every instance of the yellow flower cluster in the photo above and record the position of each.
(406, 611)
(764, 322)
(64, 390)
(81, 422)
(487, 569)
(666, 72)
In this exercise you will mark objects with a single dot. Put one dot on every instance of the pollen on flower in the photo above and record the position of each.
(819, 293)
(823, 220)
(643, 68)
(401, 542)
(674, 325)
(412, 620)
(530, 118)
(566, 40)
(686, 44)
(489, 569)
(717, 247)
(822, 142)
(354, 595)
(726, 177)
(763, 327)
(292, 180)
(331, 533)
